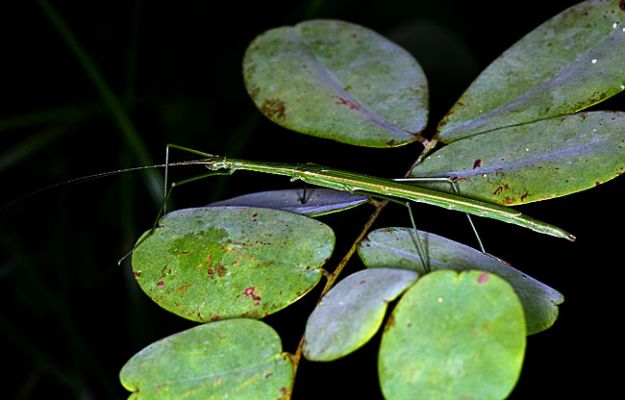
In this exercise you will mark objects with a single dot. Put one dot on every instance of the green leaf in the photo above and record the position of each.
(233, 359)
(394, 248)
(453, 336)
(338, 81)
(352, 312)
(567, 64)
(318, 201)
(212, 263)
(533, 162)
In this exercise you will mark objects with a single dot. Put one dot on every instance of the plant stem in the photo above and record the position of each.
(339, 268)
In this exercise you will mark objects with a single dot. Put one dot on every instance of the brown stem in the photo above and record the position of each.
(379, 206)
(339, 268)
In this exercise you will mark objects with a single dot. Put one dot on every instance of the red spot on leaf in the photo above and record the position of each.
(160, 284)
(249, 292)
(477, 164)
(349, 103)
(482, 278)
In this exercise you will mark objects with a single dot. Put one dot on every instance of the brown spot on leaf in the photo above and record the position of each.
(253, 91)
(477, 164)
(215, 318)
(597, 183)
(362, 282)
(524, 196)
(500, 189)
(389, 323)
(221, 270)
(509, 200)
(209, 259)
(482, 278)
(137, 274)
(273, 109)
(622, 5)
(183, 288)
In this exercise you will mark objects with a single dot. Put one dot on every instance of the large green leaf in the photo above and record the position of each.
(532, 162)
(567, 64)
(352, 312)
(453, 336)
(313, 202)
(339, 81)
(211, 263)
(235, 359)
(394, 248)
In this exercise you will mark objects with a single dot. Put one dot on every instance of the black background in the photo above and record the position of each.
(70, 317)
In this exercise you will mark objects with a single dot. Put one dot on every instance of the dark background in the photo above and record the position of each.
(71, 317)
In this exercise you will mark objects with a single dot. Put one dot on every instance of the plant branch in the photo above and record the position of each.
(339, 268)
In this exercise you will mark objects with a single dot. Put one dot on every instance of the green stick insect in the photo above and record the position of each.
(370, 185)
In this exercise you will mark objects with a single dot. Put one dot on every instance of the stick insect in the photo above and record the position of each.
(342, 180)
(370, 185)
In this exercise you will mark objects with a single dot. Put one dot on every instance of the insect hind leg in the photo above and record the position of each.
(456, 190)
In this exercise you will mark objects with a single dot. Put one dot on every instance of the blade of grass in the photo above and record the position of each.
(109, 98)
(30, 146)
(70, 113)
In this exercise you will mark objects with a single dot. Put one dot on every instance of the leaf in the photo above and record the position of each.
(338, 81)
(453, 336)
(317, 202)
(567, 64)
(213, 263)
(533, 162)
(394, 248)
(352, 312)
(233, 359)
